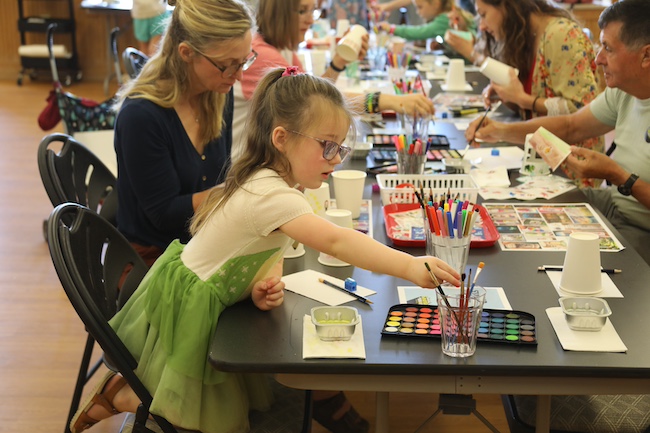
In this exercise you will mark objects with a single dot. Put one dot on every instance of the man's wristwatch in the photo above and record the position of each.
(626, 188)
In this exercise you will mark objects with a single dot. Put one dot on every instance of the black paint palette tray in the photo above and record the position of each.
(497, 326)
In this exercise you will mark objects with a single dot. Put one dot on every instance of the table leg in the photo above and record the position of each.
(381, 413)
(543, 414)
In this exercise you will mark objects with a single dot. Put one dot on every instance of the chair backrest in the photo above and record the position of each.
(115, 56)
(72, 173)
(134, 60)
(90, 256)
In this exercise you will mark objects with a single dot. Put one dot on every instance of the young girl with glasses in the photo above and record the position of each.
(239, 234)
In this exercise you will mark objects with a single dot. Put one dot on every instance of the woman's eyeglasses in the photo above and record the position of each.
(330, 148)
(230, 71)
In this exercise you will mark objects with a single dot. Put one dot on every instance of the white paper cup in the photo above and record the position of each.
(456, 75)
(340, 217)
(342, 26)
(318, 62)
(497, 71)
(348, 190)
(428, 61)
(319, 199)
(350, 46)
(581, 271)
(292, 253)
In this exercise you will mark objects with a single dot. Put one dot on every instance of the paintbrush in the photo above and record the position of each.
(478, 271)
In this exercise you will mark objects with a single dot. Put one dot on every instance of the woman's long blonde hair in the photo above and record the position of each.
(291, 101)
(164, 78)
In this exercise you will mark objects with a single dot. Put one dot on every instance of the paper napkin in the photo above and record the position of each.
(609, 288)
(314, 347)
(605, 340)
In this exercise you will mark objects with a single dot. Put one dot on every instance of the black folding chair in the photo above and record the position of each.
(134, 61)
(90, 257)
(73, 173)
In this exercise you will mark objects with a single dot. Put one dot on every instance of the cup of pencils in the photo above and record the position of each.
(460, 315)
(448, 229)
(411, 154)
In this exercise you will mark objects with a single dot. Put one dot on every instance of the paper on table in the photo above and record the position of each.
(605, 340)
(495, 297)
(314, 347)
(551, 148)
(495, 176)
(609, 288)
(306, 283)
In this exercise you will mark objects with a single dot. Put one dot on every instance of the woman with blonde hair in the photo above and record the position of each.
(173, 130)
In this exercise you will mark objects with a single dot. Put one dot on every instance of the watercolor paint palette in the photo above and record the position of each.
(497, 326)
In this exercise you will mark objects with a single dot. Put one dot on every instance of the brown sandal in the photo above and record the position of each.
(350, 421)
(101, 396)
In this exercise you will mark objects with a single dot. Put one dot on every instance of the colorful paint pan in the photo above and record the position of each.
(497, 326)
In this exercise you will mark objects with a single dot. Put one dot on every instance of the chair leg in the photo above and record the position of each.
(82, 377)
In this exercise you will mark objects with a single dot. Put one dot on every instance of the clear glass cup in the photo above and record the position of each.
(410, 163)
(460, 317)
(454, 251)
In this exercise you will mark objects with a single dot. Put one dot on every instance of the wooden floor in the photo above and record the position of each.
(41, 338)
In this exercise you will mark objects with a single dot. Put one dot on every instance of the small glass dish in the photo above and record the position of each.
(585, 313)
(335, 323)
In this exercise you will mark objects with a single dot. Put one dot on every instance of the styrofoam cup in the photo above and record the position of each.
(497, 71)
(456, 75)
(350, 46)
(292, 252)
(318, 62)
(340, 217)
(319, 199)
(348, 190)
(581, 271)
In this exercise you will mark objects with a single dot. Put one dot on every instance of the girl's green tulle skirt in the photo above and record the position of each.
(167, 326)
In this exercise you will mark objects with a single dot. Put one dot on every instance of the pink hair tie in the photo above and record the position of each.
(291, 71)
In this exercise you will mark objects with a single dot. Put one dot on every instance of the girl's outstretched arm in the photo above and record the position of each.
(362, 251)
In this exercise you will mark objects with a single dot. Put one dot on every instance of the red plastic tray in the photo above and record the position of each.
(484, 236)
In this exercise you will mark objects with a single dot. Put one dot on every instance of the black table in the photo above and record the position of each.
(274, 339)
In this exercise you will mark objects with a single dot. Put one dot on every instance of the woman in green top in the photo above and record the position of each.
(436, 14)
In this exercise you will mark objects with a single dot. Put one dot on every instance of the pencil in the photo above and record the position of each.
(359, 297)
(559, 268)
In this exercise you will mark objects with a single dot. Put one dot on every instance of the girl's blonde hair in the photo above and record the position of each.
(291, 101)
(164, 78)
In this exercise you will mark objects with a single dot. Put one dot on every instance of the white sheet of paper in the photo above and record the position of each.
(609, 288)
(493, 176)
(306, 283)
(605, 340)
(495, 297)
(314, 347)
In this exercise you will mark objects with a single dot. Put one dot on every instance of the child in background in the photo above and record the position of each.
(436, 15)
(149, 23)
